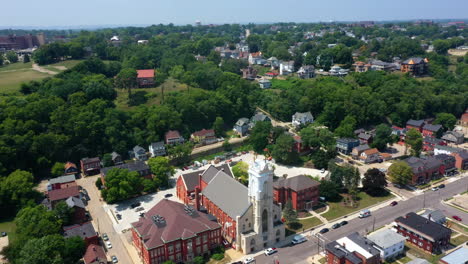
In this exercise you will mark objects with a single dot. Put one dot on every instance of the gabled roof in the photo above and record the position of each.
(306, 115)
(157, 145)
(431, 127)
(85, 230)
(371, 151)
(415, 123)
(138, 149)
(459, 256)
(145, 73)
(386, 238)
(74, 201)
(62, 194)
(172, 134)
(63, 179)
(361, 148)
(70, 165)
(131, 166)
(414, 60)
(203, 133)
(90, 160)
(93, 253)
(191, 179)
(177, 224)
(435, 215)
(260, 117)
(297, 183)
(422, 226)
(242, 121)
(364, 136)
(115, 155)
(221, 191)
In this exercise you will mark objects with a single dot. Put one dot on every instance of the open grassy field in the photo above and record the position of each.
(9, 227)
(459, 240)
(149, 96)
(337, 209)
(13, 75)
(63, 65)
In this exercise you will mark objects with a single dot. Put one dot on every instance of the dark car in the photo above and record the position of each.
(324, 230)
(4, 234)
(343, 223)
(457, 218)
(393, 203)
(167, 195)
(335, 226)
(134, 205)
(119, 216)
(441, 186)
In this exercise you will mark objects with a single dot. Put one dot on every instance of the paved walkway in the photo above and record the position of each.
(38, 68)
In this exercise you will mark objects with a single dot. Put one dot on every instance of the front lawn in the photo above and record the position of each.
(338, 209)
(304, 224)
(9, 227)
(419, 253)
(458, 240)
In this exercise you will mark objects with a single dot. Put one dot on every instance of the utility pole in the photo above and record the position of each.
(424, 200)
(373, 225)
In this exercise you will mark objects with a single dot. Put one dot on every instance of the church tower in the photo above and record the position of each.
(261, 196)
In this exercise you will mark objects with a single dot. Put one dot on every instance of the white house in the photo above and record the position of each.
(274, 62)
(264, 83)
(286, 67)
(306, 72)
(389, 243)
(157, 149)
(299, 119)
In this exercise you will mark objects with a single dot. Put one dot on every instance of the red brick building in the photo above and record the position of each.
(461, 160)
(204, 136)
(425, 234)
(416, 124)
(145, 78)
(61, 182)
(301, 190)
(430, 130)
(173, 231)
(415, 66)
(425, 170)
(95, 255)
(55, 196)
(352, 249)
(90, 166)
(173, 137)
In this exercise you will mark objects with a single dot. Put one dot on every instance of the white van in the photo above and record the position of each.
(364, 213)
(298, 239)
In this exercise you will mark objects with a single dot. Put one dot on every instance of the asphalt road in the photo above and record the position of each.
(300, 253)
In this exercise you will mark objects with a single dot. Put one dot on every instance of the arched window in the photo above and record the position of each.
(265, 221)
(252, 242)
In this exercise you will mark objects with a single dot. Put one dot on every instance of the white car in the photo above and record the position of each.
(108, 245)
(435, 189)
(249, 260)
(270, 251)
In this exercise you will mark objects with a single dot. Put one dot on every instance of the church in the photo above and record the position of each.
(249, 218)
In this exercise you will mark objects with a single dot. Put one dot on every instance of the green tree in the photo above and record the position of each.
(383, 136)
(1, 59)
(74, 250)
(16, 192)
(374, 182)
(226, 145)
(310, 136)
(121, 184)
(58, 169)
(346, 127)
(259, 135)
(199, 260)
(329, 190)
(161, 169)
(447, 120)
(218, 126)
(107, 160)
(47, 249)
(400, 173)
(36, 222)
(126, 79)
(240, 171)
(289, 214)
(283, 151)
(12, 56)
(64, 213)
(181, 152)
(414, 139)
(26, 59)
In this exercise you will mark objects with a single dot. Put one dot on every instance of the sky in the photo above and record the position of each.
(66, 13)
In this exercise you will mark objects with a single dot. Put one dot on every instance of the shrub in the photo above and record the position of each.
(217, 256)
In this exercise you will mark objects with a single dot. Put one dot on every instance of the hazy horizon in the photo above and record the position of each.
(79, 14)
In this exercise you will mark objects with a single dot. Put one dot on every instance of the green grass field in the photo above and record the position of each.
(9, 227)
(10, 81)
(337, 209)
(58, 67)
(459, 240)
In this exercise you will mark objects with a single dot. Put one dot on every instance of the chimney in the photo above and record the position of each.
(344, 245)
(429, 217)
(197, 198)
(199, 180)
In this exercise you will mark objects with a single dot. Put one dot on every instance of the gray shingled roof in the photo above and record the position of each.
(260, 117)
(433, 128)
(73, 201)
(385, 238)
(422, 226)
(132, 166)
(191, 179)
(362, 147)
(296, 183)
(307, 115)
(62, 179)
(416, 123)
(228, 194)
(242, 121)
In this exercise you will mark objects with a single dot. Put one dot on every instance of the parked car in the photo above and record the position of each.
(324, 230)
(105, 237)
(114, 259)
(441, 186)
(270, 251)
(343, 223)
(167, 195)
(364, 213)
(4, 234)
(435, 189)
(108, 245)
(457, 218)
(134, 205)
(139, 209)
(298, 239)
(249, 260)
(119, 216)
(393, 203)
(335, 226)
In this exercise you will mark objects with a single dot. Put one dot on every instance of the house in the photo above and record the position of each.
(115, 41)
(79, 210)
(447, 163)
(90, 166)
(427, 235)
(264, 83)
(301, 190)
(429, 143)
(186, 183)
(174, 231)
(139, 153)
(85, 231)
(442, 149)
(359, 131)
(356, 152)
(258, 117)
(385, 156)
(461, 160)
(370, 156)
(142, 41)
(338, 71)
(95, 255)
(61, 182)
(389, 243)
(256, 58)
(360, 66)
(352, 249)
(242, 126)
(454, 137)
(459, 256)
(58, 195)
(365, 138)
(415, 66)
(249, 73)
(204, 137)
(286, 67)
(464, 119)
(145, 78)
(273, 62)
(430, 130)
(173, 137)
(70, 168)
(116, 158)
(157, 149)
(436, 216)
(299, 147)
(302, 119)
(139, 166)
(346, 145)
(306, 72)
(424, 170)
(416, 124)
